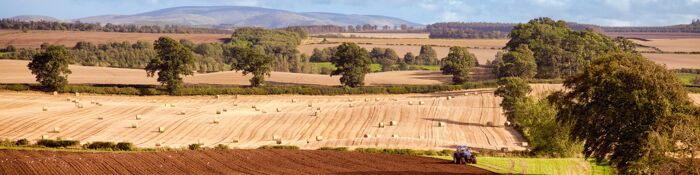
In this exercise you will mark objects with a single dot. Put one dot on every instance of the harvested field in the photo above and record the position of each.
(15, 71)
(34, 38)
(673, 45)
(384, 35)
(343, 121)
(481, 54)
(224, 162)
(675, 61)
(653, 35)
(481, 43)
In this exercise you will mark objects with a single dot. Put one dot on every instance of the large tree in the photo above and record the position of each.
(353, 62)
(518, 63)
(51, 67)
(620, 106)
(513, 90)
(253, 60)
(458, 63)
(427, 56)
(388, 60)
(172, 62)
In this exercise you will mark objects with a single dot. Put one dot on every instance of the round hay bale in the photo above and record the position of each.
(410, 103)
(351, 105)
(367, 136)
(224, 110)
(257, 109)
(310, 105)
(100, 118)
(421, 103)
(218, 96)
(138, 117)
(319, 138)
(381, 124)
(236, 96)
(376, 99)
(215, 121)
(234, 104)
(55, 93)
(395, 135)
(264, 112)
(318, 108)
(524, 144)
(504, 149)
(44, 137)
(366, 99)
(69, 99)
(157, 144)
(279, 110)
(134, 125)
(234, 141)
(253, 106)
(161, 129)
(218, 112)
(466, 94)
(45, 109)
(275, 137)
(181, 113)
(441, 124)
(507, 123)
(172, 105)
(294, 100)
(393, 123)
(77, 94)
(279, 142)
(56, 130)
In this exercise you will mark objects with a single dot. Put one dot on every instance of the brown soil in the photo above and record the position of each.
(224, 162)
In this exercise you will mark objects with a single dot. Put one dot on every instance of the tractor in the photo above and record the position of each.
(463, 155)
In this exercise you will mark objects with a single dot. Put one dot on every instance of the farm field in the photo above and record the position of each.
(384, 35)
(481, 43)
(482, 55)
(507, 165)
(224, 162)
(15, 71)
(254, 121)
(673, 45)
(654, 35)
(34, 38)
(675, 61)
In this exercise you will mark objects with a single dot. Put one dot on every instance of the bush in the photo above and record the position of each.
(100, 145)
(195, 146)
(58, 143)
(290, 147)
(125, 146)
(411, 152)
(221, 147)
(22, 142)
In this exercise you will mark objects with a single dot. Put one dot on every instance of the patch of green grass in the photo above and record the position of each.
(505, 165)
(3, 53)
(330, 66)
(428, 67)
(687, 78)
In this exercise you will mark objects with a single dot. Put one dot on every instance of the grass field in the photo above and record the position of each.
(505, 165)
(329, 65)
(686, 78)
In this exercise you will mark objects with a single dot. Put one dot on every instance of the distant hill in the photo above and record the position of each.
(238, 16)
(36, 18)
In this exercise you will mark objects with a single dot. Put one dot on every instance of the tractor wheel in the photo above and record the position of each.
(473, 159)
(462, 160)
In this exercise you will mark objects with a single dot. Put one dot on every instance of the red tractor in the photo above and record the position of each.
(463, 155)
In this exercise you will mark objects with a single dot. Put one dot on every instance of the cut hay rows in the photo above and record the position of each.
(296, 123)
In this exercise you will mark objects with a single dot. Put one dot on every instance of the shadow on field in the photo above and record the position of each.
(432, 75)
(456, 122)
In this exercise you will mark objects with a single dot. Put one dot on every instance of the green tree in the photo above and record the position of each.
(458, 63)
(512, 89)
(377, 54)
(536, 119)
(409, 58)
(427, 56)
(619, 105)
(353, 62)
(519, 63)
(51, 67)
(253, 60)
(172, 61)
(388, 60)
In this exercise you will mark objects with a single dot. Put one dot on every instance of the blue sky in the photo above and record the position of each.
(602, 12)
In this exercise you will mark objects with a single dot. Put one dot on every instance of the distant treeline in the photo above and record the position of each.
(482, 29)
(316, 29)
(78, 26)
(693, 27)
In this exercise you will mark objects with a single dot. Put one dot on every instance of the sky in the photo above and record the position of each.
(600, 12)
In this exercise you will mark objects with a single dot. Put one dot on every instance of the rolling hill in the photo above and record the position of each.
(237, 16)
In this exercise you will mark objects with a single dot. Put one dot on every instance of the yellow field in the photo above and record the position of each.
(481, 43)
(34, 38)
(384, 35)
(675, 61)
(673, 45)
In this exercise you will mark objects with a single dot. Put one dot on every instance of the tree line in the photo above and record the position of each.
(15, 24)
(618, 106)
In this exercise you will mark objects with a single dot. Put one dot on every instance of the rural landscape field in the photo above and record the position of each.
(336, 87)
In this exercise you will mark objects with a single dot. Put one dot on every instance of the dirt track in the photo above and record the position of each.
(224, 162)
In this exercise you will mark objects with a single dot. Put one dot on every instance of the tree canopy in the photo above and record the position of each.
(427, 56)
(172, 61)
(51, 67)
(518, 63)
(352, 62)
(620, 105)
(458, 63)
(512, 89)
(252, 60)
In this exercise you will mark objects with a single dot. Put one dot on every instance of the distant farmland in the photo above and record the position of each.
(34, 38)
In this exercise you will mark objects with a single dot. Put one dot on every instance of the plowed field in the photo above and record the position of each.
(224, 162)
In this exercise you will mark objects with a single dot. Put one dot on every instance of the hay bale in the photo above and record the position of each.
(279, 110)
(172, 105)
(69, 99)
(166, 105)
(276, 137)
(279, 142)
(524, 144)
(318, 108)
(466, 94)
(393, 123)
(381, 124)
(224, 110)
(507, 123)
(504, 149)
(315, 114)
(310, 105)
(100, 118)
(257, 109)
(319, 138)
(367, 136)
(410, 103)
(254, 107)
(161, 129)
(395, 135)
(350, 100)
(78, 105)
(264, 112)
(421, 103)
(216, 121)
(441, 124)
(98, 104)
(157, 144)
(44, 137)
(234, 104)
(56, 130)
(135, 125)
(138, 117)
(449, 97)
(218, 112)
(77, 94)
(45, 109)
(234, 141)
(351, 105)
(218, 96)
(294, 100)
(366, 99)
(181, 113)
(376, 99)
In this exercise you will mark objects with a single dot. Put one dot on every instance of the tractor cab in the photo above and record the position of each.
(463, 155)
